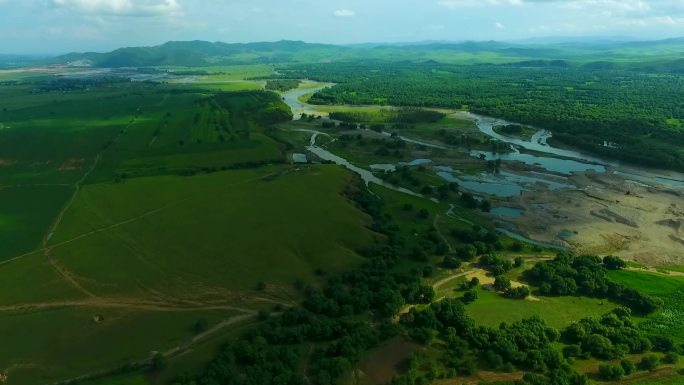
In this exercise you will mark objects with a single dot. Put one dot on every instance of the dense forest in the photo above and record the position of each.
(620, 114)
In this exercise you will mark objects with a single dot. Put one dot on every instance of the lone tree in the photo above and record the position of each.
(518, 262)
(614, 263)
(469, 296)
(502, 283)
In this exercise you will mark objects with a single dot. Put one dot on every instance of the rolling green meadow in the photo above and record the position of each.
(139, 211)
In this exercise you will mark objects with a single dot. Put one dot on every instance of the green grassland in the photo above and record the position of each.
(173, 233)
(491, 308)
(177, 206)
(31, 279)
(171, 240)
(670, 319)
(61, 343)
(23, 226)
(119, 131)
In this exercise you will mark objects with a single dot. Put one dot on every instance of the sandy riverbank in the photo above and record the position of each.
(609, 215)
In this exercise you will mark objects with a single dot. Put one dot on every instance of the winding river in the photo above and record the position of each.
(559, 161)
(292, 99)
(366, 175)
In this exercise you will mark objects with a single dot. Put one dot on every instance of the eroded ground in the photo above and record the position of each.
(608, 215)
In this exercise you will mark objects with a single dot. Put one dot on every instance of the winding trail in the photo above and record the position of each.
(450, 278)
(172, 352)
(435, 224)
(125, 304)
(66, 274)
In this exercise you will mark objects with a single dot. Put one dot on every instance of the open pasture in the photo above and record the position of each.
(669, 320)
(43, 341)
(205, 235)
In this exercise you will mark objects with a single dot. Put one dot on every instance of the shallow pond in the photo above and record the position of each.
(562, 166)
(499, 188)
(507, 212)
(502, 185)
(565, 235)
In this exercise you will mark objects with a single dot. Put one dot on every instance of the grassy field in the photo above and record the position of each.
(174, 233)
(183, 211)
(23, 226)
(31, 279)
(491, 309)
(153, 255)
(43, 342)
(670, 319)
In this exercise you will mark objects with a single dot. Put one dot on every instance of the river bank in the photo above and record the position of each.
(562, 196)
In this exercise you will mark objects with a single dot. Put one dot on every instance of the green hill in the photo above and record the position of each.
(203, 53)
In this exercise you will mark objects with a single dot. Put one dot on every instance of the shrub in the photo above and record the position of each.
(649, 362)
(628, 366)
(520, 292)
(611, 372)
(671, 358)
(469, 296)
(450, 262)
(502, 283)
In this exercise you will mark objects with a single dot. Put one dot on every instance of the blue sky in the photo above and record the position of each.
(57, 26)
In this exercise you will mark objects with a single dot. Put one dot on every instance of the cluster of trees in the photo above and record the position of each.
(510, 129)
(477, 241)
(582, 106)
(282, 85)
(383, 147)
(401, 118)
(612, 336)
(465, 347)
(496, 264)
(251, 110)
(586, 275)
(469, 201)
(312, 117)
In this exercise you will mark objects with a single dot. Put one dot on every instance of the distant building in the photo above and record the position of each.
(299, 158)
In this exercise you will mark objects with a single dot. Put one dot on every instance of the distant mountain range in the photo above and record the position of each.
(202, 53)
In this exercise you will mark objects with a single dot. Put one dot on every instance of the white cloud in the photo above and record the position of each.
(499, 25)
(121, 7)
(344, 13)
(477, 3)
(619, 6)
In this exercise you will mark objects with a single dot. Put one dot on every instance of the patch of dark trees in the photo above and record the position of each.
(586, 275)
